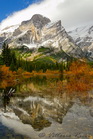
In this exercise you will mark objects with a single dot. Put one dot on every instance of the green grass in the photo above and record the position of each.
(41, 57)
(59, 55)
(44, 60)
(20, 53)
(44, 50)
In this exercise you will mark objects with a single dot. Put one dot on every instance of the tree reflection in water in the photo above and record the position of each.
(41, 108)
(6, 96)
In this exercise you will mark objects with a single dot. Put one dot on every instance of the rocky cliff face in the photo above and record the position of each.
(40, 31)
(83, 37)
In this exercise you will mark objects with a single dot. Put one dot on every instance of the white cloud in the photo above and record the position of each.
(71, 12)
(47, 8)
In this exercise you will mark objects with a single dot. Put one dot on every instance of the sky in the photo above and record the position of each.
(72, 13)
(7, 7)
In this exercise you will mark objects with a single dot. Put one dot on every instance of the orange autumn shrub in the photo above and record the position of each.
(52, 72)
(26, 74)
(48, 72)
(11, 78)
(5, 72)
(20, 71)
(79, 77)
(3, 84)
(78, 85)
(7, 77)
(79, 68)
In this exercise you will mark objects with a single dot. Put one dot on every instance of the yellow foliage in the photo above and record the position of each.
(47, 73)
(4, 84)
(79, 77)
(8, 77)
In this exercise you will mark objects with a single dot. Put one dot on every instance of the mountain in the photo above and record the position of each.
(6, 33)
(38, 32)
(83, 37)
(37, 111)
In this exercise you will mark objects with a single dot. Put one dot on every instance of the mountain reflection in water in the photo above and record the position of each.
(28, 110)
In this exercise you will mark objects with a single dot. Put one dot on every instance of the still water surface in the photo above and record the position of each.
(34, 110)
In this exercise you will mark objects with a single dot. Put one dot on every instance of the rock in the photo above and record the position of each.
(40, 31)
(83, 37)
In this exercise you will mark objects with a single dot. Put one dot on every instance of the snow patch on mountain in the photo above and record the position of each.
(83, 36)
(40, 31)
(9, 29)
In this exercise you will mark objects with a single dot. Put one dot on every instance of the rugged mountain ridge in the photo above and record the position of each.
(40, 31)
(83, 37)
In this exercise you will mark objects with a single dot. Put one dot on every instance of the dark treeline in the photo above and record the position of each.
(8, 58)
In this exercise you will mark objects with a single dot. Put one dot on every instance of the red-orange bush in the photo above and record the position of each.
(79, 77)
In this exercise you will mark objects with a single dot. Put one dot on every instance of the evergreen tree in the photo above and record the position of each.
(13, 66)
(61, 67)
(6, 55)
(1, 60)
(9, 58)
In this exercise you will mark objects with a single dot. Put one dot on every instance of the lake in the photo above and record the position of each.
(38, 108)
